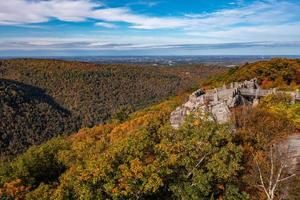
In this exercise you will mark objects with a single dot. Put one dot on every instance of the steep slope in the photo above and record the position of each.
(143, 157)
(94, 92)
(45, 98)
(139, 158)
(29, 116)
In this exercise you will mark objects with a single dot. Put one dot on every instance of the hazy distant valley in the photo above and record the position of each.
(219, 60)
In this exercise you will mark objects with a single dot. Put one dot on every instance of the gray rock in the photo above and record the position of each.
(221, 113)
(219, 101)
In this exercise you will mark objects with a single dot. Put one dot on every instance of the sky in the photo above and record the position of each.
(153, 27)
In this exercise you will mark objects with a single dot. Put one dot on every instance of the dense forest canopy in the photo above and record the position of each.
(40, 99)
(94, 91)
(29, 116)
(143, 157)
(277, 72)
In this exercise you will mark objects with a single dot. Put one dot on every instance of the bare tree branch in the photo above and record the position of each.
(197, 165)
(283, 179)
(283, 160)
(282, 166)
(261, 177)
(272, 169)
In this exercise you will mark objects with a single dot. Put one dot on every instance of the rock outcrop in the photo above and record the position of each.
(293, 143)
(219, 101)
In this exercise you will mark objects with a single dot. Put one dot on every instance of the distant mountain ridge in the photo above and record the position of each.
(172, 60)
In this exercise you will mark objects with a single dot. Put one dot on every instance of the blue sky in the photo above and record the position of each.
(153, 27)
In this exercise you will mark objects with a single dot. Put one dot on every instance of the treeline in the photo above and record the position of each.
(277, 72)
(40, 99)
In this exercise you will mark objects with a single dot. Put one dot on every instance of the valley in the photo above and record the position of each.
(45, 98)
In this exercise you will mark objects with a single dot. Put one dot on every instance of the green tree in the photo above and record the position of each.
(203, 159)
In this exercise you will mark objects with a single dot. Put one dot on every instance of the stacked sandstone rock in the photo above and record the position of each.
(217, 102)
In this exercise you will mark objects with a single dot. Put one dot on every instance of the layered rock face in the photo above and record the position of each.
(219, 101)
(288, 151)
(294, 153)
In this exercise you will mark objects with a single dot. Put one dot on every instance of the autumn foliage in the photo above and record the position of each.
(41, 99)
(277, 72)
(140, 156)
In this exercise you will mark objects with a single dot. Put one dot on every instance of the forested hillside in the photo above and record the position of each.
(29, 116)
(277, 72)
(94, 92)
(40, 99)
(143, 157)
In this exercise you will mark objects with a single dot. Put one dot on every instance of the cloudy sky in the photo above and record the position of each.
(149, 27)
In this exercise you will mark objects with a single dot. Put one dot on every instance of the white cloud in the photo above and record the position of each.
(25, 12)
(16, 12)
(96, 45)
(284, 32)
(106, 25)
(260, 21)
(259, 13)
(144, 3)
